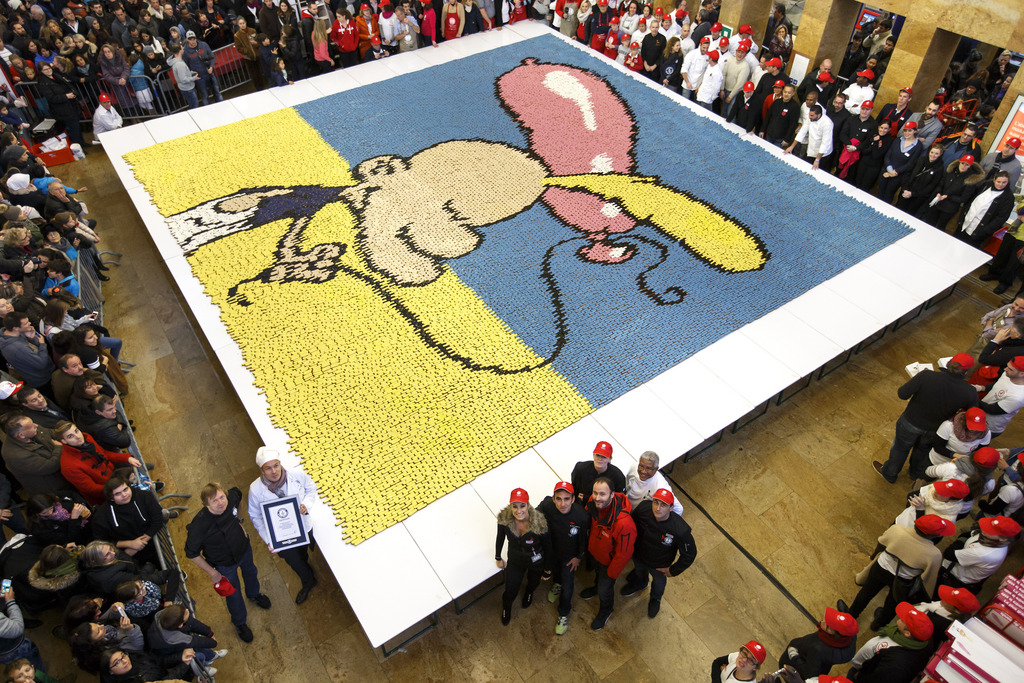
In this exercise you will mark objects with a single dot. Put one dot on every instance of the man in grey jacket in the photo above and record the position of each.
(184, 76)
(25, 351)
(33, 456)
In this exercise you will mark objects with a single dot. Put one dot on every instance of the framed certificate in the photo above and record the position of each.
(284, 522)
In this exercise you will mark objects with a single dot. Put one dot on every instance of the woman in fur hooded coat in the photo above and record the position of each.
(529, 546)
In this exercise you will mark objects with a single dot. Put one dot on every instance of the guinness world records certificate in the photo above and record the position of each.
(284, 522)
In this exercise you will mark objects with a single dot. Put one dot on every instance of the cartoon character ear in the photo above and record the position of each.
(385, 164)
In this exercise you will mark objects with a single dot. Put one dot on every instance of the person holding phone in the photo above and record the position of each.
(13, 643)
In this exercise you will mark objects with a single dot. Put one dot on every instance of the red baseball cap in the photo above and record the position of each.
(933, 525)
(104, 97)
(976, 420)
(716, 27)
(910, 125)
(917, 622)
(967, 159)
(964, 360)
(842, 623)
(757, 649)
(908, 90)
(713, 55)
(834, 679)
(705, 39)
(986, 456)
(632, 46)
(375, 40)
(658, 12)
(826, 77)
(603, 447)
(643, 22)
(748, 86)
(680, 13)
(602, 3)
(779, 84)
(519, 496)
(615, 20)
(1018, 362)
(723, 41)
(563, 486)
(665, 496)
(224, 587)
(746, 29)
(1014, 142)
(867, 104)
(364, 6)
(999, 526)
(951, 488)
(867, 73)
(745, 44)
(774, 61)
(961, 598)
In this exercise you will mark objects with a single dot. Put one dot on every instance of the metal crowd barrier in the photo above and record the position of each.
(91, 296)
(164, 98)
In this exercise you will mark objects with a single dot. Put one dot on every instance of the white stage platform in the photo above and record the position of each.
(671, 414)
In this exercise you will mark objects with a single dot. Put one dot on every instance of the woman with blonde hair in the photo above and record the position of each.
(321, 48)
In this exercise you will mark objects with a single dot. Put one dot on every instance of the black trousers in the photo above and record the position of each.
(877, 580)
(567, 578)
(298, 560)
(638, 578)
(514, 579)
(1005, 264)
(605, 589)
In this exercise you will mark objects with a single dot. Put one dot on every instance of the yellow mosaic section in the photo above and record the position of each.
(384, 424)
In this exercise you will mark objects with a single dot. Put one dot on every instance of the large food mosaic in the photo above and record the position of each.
(431, 274)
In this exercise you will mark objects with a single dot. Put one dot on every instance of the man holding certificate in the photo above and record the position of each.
(279, 502)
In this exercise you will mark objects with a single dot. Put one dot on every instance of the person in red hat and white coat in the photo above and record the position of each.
(739, 666)
(106, 118)
(529, 550)
(664, 547)
(569, 526)
(860, 91)
(978, 555)
(953, 604)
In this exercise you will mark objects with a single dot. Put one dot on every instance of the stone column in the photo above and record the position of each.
(1016, 88)
(825, 30)
(735, 13)
(920, 60)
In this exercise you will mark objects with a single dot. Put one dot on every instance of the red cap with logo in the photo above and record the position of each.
(757, 649)
(918, 623)
(1014, 142)
(867, 104)
(705, 39)
(842, 623)
(834, 679)
(716, 27)
(986, 456)
(774, 61)
(961, 598)
(224, 587)
(1018, 362)
(632, 46)
(658, 12)
(680, 13)
(748, 86)
(615, 20)
(745, 45)
(375, 40)
(746, 29)
(908, 90)
(713, 55)
(563, 486)
(967, 159)
(826, 77)
(604, 448)
(964, 360)
(665, 496)
(910, 125)
(933, 525)
(779, 84)
(723, 42)
(951, 488)
(519, 496)
(976, 420)
(999, 526)
(867, 73)
(104, 97)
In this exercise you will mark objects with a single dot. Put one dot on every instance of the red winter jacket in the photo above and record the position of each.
(87, 473)
(612, 534)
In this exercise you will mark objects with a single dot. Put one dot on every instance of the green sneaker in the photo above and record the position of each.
(556, 590)
(562, 626)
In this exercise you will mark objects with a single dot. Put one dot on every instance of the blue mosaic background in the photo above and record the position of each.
(618, 338)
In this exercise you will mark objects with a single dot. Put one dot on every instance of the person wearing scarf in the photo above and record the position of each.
(835, 642)
(899, 651)
(275, 482)
(987, 212)
(86, 464)
(612, 535)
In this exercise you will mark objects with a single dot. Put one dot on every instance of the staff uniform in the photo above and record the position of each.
(1001, 403)
(584, 475)
(948, 443)
(527, 554)
(659, 544)
(973, 563)
(568, 540)
(817, 135)
(612, 535)
(857, 95)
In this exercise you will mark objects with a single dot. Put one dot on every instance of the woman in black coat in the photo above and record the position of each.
(922, 181)
(58, 92)
(872, 156)
(987, 211)
(958, 182)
